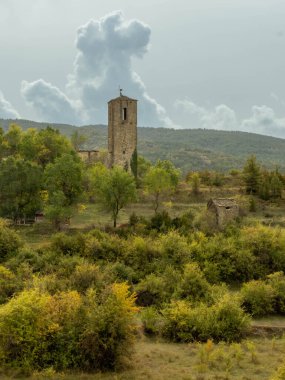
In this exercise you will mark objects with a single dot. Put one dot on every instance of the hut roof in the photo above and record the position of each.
(222, 202)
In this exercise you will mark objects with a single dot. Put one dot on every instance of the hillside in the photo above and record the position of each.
(189, 149)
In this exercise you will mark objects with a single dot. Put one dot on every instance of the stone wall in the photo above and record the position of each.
(122, 131)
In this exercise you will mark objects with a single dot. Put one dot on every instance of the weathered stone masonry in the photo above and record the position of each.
(122, 132)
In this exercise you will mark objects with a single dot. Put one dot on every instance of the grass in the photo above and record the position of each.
(255, 359)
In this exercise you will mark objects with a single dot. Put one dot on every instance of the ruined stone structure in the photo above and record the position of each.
(224, 209)
(122, 132)
(88, 156)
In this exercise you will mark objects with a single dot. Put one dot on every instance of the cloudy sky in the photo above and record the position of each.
(216, 64)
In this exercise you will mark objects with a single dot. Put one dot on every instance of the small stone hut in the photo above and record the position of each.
(225, 210)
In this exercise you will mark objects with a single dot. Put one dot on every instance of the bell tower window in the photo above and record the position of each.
(124, 113)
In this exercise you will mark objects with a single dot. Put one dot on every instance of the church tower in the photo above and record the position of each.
(122, 132)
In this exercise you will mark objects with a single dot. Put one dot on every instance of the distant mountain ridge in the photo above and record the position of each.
(189, 149)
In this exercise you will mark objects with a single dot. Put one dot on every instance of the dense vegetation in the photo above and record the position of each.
(191, 149)
(77, 298)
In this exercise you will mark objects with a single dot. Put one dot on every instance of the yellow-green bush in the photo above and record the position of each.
(67, 330)
(10, 241)
(258, 298)
(223, 321)
(7, 284)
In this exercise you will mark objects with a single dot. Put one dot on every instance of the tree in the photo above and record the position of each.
(158, 182)
(44, 146)
(20, 185)
(63, 180)
(173, 172)
(195, 183)
(115, 188)
(252, 175)
(77, 140)
(276, 186)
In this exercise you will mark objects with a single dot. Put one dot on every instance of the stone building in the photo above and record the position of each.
(224, 209)
(122, 132)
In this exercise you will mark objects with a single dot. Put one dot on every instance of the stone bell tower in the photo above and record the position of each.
(122, 132)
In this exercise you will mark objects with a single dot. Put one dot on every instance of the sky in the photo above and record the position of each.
(215, 64)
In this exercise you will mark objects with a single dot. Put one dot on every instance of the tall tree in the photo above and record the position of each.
(115, 188)
(157, 183)
(63, 180)
(252, 175)
(20, 185)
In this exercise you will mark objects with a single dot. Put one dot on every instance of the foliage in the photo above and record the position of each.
(8, 284)
(63, 180)
(160, 180)
(10, 242)
(115, 188)
(67, 330)
(252, 175)
(20, 185)
(225, 320)
(258, 298)
(193, 285)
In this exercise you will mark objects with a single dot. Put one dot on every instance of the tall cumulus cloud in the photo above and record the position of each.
(103, 62)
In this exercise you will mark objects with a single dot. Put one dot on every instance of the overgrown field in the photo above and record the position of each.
(134, 278)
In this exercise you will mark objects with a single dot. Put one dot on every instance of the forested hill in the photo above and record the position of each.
(191, 149)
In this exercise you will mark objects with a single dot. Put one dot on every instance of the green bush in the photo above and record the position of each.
(151, 291)
(193, 285)
(67, 330)
(258, 298)
(68, 244)
(151, 320)
(277, 281)
(223, 321)
(8, 284)
(232, 262)
(10, 241)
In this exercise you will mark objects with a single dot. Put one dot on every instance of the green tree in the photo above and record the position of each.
(157, 183)
(142, 168)
(63, 180)
(276, 186)
(115, 188)
(252, 175)
(173, 172)
(195, 183)
(77, 140)
(44, 146)
(20, 185)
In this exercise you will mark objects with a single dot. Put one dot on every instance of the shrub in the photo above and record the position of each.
(151, 320)
(87, 276)
(174, 248)
(231, 261)
(7, 284)
(277, 281)
(193, 285)
(151, 291)
(67, 330)
(267, 244)
(67, 244)
(225, 320)
(10, 241)
(258, 298)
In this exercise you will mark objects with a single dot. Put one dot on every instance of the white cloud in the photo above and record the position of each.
(262, 120)
(50, 103)
(6, 109)
(221, 117)
(103, 63)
